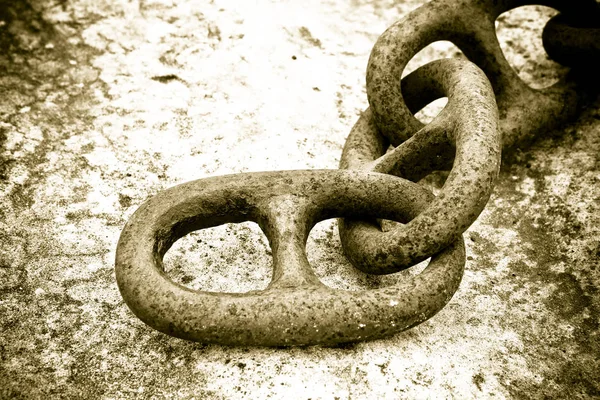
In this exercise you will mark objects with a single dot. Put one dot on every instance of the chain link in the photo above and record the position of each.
(489, 109)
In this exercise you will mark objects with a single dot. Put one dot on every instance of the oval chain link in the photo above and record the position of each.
(524, 112)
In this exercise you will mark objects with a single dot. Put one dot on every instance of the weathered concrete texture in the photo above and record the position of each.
(104, 103)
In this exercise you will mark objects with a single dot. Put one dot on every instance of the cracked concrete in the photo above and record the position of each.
(107, 102)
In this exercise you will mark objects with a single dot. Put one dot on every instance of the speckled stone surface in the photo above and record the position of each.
(104, 103)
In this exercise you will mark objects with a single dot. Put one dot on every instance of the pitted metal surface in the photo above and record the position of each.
(466, 132)
(470, 25)
(107, 103)
(296, 308)
(524, 112)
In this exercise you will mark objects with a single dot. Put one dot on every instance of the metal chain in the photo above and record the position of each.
(489, 109)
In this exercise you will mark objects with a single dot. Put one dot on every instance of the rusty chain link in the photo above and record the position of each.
(489, 109)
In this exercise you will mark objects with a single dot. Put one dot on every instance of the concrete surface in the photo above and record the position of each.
(104, 103)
